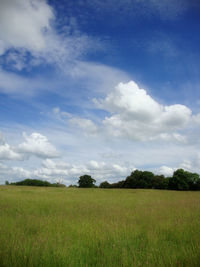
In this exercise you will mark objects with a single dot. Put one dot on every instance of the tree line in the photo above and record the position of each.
(181, 180)
(35, 182)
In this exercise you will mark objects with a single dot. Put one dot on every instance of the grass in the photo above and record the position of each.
(98, 227)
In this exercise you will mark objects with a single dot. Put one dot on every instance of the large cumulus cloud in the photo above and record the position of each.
(38, 145)
(35, 144)
(134, 114)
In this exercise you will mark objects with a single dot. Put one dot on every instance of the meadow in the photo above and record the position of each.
(98, 227)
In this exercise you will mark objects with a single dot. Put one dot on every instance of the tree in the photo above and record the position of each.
(160, 182)
(35, 182)
(139, 179)
(146, 180)
(104, 185)
(184, 180)
(119, 184)
(86, 181)
(72, 185)
(132, 180)
(6, 183)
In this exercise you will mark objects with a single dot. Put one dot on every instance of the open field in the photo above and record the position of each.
(98, 227)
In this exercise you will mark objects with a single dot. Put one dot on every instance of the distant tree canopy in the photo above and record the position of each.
(35, 182)
(104, 185)
(86, 181)
(181, 180)
(72, 185)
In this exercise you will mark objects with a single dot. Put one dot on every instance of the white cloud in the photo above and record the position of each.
(98, 170)
(38, 145)
(12, 174)
(66, 172)
(165, 170)
(97, 159)
(119, 168)
(30, 38)
(13, 84)
(23, 24)
(35, 144)
(137, 116)
(196, 119)
(19, 86)
(8, 153)
(20, 172)
(191, 165)
(91, 79)
(87, 125)
(128, 98)
(97, 77)
(93, 165)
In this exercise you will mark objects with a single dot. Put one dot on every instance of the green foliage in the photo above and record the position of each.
(57, 185)
(142, 179)
(86, 181)
(181, 180)
(72, 185)
(35, 182)
(104, 185)
(6, 183)
(119, 184)
(160, 182)
(184, 180)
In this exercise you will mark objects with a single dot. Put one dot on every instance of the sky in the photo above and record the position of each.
(99, 88)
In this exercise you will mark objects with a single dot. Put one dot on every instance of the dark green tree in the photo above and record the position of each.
(146, 180)
(104, 185)
(35, 182)
(132, 181)
(139, 179)
(86, 181)
(72, 185)
(184, 180)
(197, 185)
(119, 184)
(160, 182)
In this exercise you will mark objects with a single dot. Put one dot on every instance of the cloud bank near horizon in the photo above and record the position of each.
(134, 117)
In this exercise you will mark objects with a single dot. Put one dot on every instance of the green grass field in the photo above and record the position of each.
(98, 227)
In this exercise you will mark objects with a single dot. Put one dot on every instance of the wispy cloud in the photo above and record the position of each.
(34, 39)
(165, 9)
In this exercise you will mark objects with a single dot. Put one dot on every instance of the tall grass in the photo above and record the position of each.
(98, 227)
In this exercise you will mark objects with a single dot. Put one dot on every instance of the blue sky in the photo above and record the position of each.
(98, 87)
